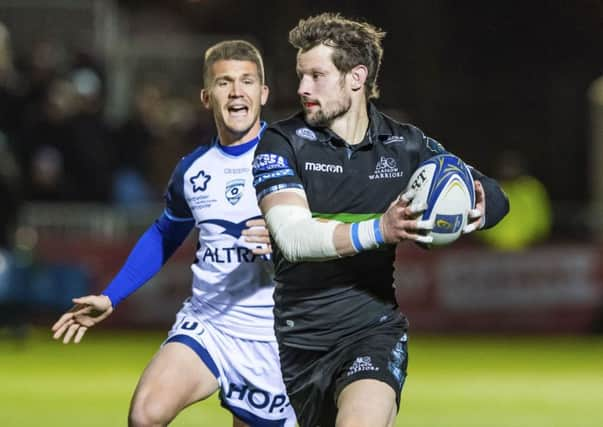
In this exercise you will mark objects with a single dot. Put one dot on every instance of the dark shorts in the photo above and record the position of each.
(314, 379)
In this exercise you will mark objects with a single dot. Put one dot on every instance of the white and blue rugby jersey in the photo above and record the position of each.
(232, 288)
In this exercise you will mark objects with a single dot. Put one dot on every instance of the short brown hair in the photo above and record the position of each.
(238, 50)
(355, 43)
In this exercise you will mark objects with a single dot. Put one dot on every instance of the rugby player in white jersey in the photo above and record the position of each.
(223, 337)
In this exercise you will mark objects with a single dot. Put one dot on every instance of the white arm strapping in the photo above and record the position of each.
(299, 236)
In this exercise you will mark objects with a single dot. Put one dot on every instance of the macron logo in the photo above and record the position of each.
(323, 167)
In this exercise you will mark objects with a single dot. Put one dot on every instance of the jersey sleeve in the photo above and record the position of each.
(497, 204)
(429, 147)
(147, 257)
(176, 207)
(274, 165)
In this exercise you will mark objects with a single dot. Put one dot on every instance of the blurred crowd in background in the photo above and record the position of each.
(58, 145)
(99, 99)
(61, 145)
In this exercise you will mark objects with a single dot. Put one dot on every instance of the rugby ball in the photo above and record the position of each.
(444, 183)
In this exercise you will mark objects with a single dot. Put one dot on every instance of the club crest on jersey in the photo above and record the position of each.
(362, 364)
(386, 167)
(306, 134)
(234, 190)
(200, 181)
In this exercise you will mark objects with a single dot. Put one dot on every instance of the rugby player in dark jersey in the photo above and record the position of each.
(328, 181)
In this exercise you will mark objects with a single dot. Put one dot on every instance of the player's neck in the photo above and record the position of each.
(230, 139)
(352, 125)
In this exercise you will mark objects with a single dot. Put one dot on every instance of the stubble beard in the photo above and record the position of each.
(323, 118)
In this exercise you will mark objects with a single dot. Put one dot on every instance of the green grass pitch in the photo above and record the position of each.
(453, 381)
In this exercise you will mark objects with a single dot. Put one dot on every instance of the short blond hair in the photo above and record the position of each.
(239, 50)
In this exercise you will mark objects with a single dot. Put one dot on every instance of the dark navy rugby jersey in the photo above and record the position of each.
(318, 303)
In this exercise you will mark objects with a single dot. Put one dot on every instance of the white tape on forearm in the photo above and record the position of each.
(299, 236)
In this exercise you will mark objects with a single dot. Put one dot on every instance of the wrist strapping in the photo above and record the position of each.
(366, 235)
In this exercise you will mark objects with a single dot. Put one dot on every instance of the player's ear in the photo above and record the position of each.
(264, 95)
(204, 95)
(358, 76)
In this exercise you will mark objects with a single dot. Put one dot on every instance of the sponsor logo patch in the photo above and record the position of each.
(236, 171)
(447, 223)
(257, 398)
(306, 134)
(269, 161)
(392, 139)
(323, 167)
(233, 254)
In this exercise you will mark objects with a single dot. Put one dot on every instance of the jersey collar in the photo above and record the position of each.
(378, 130)
(237, 150)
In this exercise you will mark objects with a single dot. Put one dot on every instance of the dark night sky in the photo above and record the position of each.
(480, 77)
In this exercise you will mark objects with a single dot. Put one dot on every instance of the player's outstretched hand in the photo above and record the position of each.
(477, 215)
(400, 221)
(87, 312)
(256, 232)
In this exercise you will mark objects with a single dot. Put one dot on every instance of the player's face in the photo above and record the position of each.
(235, 94)
(323, 89)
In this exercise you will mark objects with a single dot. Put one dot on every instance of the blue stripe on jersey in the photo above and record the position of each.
(234, 229)
(272, 175)
(199, 349)
(237, 150)
(252, 419)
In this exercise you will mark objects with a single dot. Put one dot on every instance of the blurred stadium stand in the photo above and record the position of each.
(550, 288)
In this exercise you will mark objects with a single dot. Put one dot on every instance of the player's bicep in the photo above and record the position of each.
(291, 196)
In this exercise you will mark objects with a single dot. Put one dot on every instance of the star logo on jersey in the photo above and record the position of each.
(200, 181)
(234, 190)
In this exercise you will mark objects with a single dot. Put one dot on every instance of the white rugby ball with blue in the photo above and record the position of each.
(444, 183)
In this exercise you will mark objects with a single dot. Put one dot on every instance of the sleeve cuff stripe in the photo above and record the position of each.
(276, 188)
